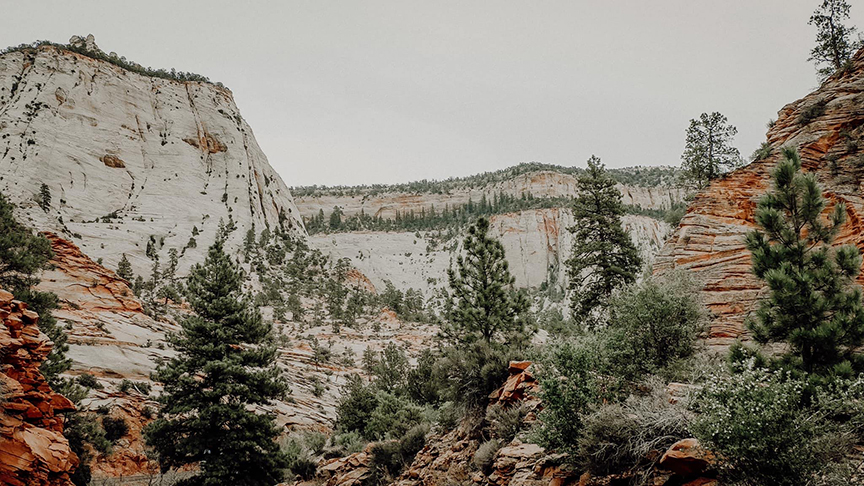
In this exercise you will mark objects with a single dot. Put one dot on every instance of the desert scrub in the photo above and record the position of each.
(771, 428)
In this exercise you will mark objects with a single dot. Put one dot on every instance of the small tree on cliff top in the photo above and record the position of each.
(708, 152)
(835, 43)
(604, 258)
(225, 365)
(813, 304)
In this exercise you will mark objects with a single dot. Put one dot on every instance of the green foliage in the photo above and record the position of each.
(389, 368)
(835, 42)
(654, 323)
(299, 458)
(506, 421)
(22, 253)
(484, 457)
(763, 152)
(392, 417)
(619, 436)
(767, 427)
(44, 198)
(483, 304)
(117, 61)
(569, 386)
(813, 304)
(812, 111)
(708, 152)
(89, 381)
(124, 269)
(142, 387)
(83, 431)
(356, 404)
(225, 365)
(115, 428)
(604, 257)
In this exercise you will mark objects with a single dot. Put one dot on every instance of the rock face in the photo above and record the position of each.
(826, 127)
(542, 183)
(130, 161)
(33, 451)
(536, 243)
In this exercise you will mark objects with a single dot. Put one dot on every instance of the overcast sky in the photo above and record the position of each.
(349, 92)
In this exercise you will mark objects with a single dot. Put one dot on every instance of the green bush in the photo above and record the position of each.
(770, 428)
(355, 407)
(392, 418)
(115, 428)
(484, 457)
(570, 386)
(506, 421)
(347, 443)
(654, 323)
(89, 381)
(300, 461)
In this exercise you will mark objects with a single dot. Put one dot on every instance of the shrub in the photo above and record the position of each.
(768, 427)
(485, 455)
(89, 381)
(115, 428)
(811, 112)
(356, 404)
(392, 418)
(474, 371)
(761, 153)
(300, 461)
(386, 459)
(348, 443)
(653, 323)
(413, 440)
(569, 385)
(506, 422)
(619, 436)
(141, 386)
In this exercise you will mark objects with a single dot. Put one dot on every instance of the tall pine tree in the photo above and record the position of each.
(813, 305)
(224, 367)
(124, 269)
(483, 305)
(604, 258)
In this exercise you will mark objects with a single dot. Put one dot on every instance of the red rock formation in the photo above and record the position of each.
(33, 451)
(827, 127)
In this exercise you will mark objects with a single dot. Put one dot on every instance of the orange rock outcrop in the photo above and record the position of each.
(33, 451)
(827, 127)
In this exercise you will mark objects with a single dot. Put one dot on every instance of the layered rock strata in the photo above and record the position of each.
(826, 127)
(33, 451)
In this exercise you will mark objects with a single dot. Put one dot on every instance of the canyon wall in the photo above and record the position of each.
(826, 127)
(542, 183)
(536, 243)
(130, 160)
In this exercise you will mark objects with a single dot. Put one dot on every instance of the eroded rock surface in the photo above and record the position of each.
(131, 161)
(826, 127)
(33, 451)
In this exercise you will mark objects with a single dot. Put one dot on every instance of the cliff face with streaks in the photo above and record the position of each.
(130, 161)
(826, 127)
(33, 451)
(536, 242)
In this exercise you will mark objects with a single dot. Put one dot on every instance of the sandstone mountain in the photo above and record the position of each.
(534, 233)
(129, 160)
(826, 127)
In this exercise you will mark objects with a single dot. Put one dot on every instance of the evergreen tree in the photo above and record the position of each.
(708, 152)
(124, 269)
(813, 306)
(45, 197)
(22, 253)
(224, 367)
(483, 304)
(835, 43)
(604, 258)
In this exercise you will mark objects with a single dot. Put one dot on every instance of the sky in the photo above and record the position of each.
(359, 92)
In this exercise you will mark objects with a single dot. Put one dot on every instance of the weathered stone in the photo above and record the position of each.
(687, 458)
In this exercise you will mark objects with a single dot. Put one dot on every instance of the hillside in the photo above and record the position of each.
(827, 128)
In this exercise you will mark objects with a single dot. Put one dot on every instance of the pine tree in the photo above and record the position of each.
(813, 305)
(835, 43)
(224, 367)
(45, 197)
(483, 304)
(604, 258)
(708, 152)
(22, 253)
(124, 269)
